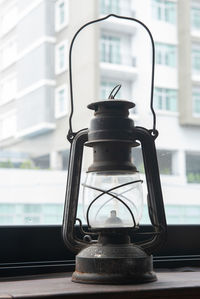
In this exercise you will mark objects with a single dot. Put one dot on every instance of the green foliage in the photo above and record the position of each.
(165, 171)
(193, 178)
(27, 165)
(6, 164)
(141, 168)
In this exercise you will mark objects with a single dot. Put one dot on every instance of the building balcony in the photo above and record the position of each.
(36, 130)
(166, 76)
(195, 33)
(196, 77)
(35, 113)
(119, 25)
(125, 70)
(120, 7)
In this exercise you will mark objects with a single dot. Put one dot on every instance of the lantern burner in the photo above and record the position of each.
(113, 220)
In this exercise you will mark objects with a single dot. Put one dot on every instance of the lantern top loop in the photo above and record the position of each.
(71, 134)
(117, 88)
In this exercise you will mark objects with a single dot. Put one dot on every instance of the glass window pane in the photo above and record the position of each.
(35, 106)
(62, 12)
(61, 56)
(196, 58)
(195, 17)
(163, 10)
(166, 54)
(165, 99)
(110, 49)
(110, 6)
(196, 101)
(193, 168)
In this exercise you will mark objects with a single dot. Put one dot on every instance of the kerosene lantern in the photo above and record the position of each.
(112, 193)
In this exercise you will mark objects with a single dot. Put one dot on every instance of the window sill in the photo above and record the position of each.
(170, 284)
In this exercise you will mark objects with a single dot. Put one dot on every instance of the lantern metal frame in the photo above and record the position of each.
(155, 201)
(156, 208)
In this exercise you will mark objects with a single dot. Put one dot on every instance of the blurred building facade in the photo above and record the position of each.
(34, 93)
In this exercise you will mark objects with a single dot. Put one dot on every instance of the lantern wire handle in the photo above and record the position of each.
(111, 96)
(71, 134)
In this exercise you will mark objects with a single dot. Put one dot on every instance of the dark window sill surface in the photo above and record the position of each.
(169, 285)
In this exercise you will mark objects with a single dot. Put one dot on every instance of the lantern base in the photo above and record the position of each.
(113, 264)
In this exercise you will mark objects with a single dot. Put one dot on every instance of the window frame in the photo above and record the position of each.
(195, 90)
(166, 52)
(45, 252)
(10, 48)
(164, 92)
(110, 46)
(9, 11)
(8, 116)
(58, 69)
(58, 113)
(163, 6)
(108, 6)
(195, 16)
(6, 81)
(195, 56)
(59, 26)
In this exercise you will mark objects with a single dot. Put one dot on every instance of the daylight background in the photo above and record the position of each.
(34, 97)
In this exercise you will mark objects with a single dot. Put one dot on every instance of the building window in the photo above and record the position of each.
(163, 10)
(8, 89)
(165, 162)
(65, 159)
(165, 99)
(8, 125)
(195, 16)
(179, 214)
(60, 101)
(8, 53)
(8, 19)
(61, 14)
(196, 58)
(61, 53)
(166, 54)
(23, 214)
(42, 162)
(193, 168)
(110, 6)
(110, 49)
(196, 101)
(61, 57)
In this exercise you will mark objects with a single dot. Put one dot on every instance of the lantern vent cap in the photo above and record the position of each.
(110, 104)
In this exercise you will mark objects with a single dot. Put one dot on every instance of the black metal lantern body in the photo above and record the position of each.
(113, 199)
(113, 187)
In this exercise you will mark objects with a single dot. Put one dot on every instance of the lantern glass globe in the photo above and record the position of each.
(110, 196)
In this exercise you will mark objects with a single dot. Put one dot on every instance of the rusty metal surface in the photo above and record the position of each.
(113, 264)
